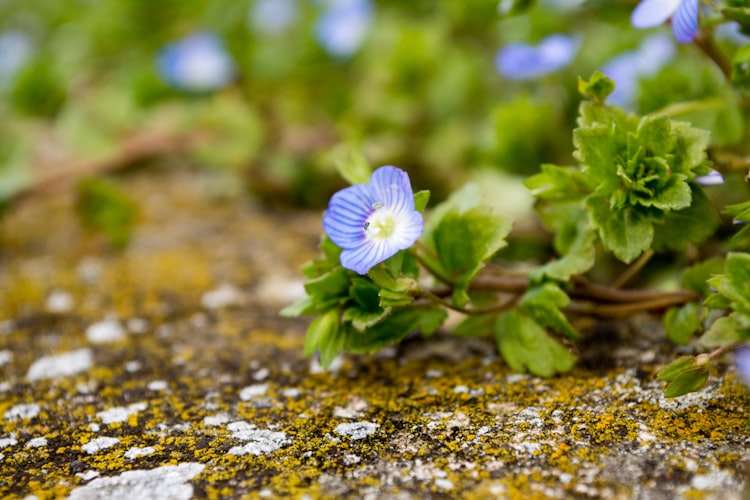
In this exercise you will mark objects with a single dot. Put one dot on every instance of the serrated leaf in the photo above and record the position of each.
(598, 87)
(329, 289)
(389, 298)
(597, 148)
(543, 303)
(738, 270)
(526, 346)
(558, 183)
(465, 240)
(626, 233)
(693, 224)
(683, 322)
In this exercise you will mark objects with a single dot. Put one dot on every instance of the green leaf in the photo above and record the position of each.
(330, 289)
(104, 207)
(683, 322)
(598, 87)
(366, 310)
(695, 277)
(741, 68)
(558, 183)
(597, 148)
(526, 346)
(723, 332)
(354, 168)
(626, 233)
(389, 298)
(395, 327)
(684, 375)
(578, 259)
(38, 90)
(480, 325)
(693, 224)
(738, 270)
(464, 241)
(301, 307)
(421, 198)
(542, 303)
(326, 336)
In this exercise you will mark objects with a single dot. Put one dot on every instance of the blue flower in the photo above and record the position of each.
(198, 63)
(518, 61)
(742, 363)
(15, 51)
(684, 14)
(713, 178)
(271, 17)
(627, 68)
(343, 26)
(372, 222)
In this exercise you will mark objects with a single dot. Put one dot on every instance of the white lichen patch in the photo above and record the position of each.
(37, 442)
(61, 365)
(9, 440)
(259, 441)
(215, 420)
(356, 430)
(253, 391)
(355, 408)
(109, 330)
(59, 301)
(101, 443)
(166, 482)
(22, 411)
(223, 296)
(5, 357)
(136, 452)
(157, 385)
(120, 413)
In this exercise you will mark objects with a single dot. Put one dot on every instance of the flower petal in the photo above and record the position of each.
(651, 13)
(370, 253)
(410, 226)
(347, 212)
(685, 21)
(712, 178)
(742, 362)
(392, 188)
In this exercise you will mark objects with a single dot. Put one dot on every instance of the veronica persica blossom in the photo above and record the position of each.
(371, 222)
(713, 178)
(342, 27)
(627, 68)
(271, 17)
(518, 61)
(742, 363)
(198, 63)
(684, 14)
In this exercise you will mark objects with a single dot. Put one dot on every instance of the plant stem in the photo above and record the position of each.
(633, 269)
(500, 307)
(706, 43)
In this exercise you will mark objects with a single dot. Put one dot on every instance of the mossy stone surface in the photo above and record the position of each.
(165, 369)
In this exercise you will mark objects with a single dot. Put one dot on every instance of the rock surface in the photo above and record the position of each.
(164, 371)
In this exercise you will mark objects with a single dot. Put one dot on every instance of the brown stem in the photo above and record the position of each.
(633, 269)
(130, 151)
(708, 46)
(623, 310)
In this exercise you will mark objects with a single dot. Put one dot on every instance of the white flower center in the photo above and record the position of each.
(380, 224)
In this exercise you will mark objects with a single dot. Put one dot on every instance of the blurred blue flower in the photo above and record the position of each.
(198, 63)
(731, 32)
(15, 50)
(519, 61)
(684, 14)
(342, 27)
(713, 178)
(271, 17)
(627, 68)
(742, 363)
(372, 222)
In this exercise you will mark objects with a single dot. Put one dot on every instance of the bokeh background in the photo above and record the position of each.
(269, 95)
